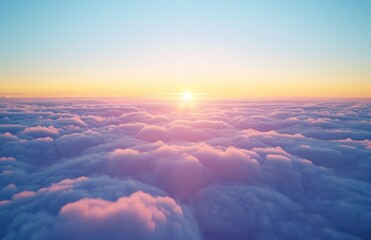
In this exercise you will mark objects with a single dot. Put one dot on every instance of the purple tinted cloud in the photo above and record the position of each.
(230, 170)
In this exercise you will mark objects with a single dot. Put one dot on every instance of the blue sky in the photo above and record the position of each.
(247, 39)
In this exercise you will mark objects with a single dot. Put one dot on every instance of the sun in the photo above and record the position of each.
(187, 97)
(187, 101)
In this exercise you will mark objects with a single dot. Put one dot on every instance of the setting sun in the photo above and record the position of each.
(187, 97)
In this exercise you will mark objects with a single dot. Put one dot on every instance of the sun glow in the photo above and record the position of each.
(187, 102)
(187, 97)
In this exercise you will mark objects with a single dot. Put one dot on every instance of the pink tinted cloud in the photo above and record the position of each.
(7, 159)
(174, 132)
(182, 169)
(6, 137)
(40, 131)
(153, 133)
(139, 207)
(278, 158)
(23, 194)
(210, 124)
(139, 215)
(62, 185)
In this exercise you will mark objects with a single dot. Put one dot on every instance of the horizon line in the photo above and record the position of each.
(177, 96)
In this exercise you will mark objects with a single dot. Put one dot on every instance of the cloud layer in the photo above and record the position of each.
(223, 170)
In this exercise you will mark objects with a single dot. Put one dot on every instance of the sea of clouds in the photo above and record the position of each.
(79, 169)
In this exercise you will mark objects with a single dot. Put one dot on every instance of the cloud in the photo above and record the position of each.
(40, 131)
(95, 208)
(74, 169)
(7, 137)
(174, 132)
(138, 216)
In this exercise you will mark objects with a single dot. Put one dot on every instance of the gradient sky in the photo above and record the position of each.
(159, 48)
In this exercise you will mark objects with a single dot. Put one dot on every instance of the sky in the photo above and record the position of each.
(234, 49)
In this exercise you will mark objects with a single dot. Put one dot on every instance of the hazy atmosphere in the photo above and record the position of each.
(185, 120)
